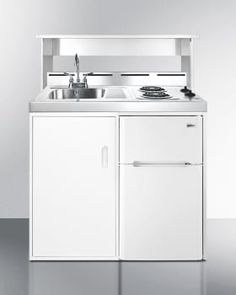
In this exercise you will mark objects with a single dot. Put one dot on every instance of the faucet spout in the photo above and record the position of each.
(77, 68)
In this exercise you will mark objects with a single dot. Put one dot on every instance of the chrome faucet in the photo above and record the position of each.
(78, 83)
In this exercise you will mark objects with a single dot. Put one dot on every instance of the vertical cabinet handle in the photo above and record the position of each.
(104, 156)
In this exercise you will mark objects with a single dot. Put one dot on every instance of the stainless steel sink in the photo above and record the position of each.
(77, 93)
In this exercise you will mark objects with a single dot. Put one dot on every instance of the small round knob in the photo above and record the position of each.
(190, 94)
(185, 89)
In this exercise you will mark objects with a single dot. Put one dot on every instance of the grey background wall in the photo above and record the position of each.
(215, 23)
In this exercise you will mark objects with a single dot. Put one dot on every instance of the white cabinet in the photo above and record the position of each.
(76, 212)
(74, 200)
(161, 188)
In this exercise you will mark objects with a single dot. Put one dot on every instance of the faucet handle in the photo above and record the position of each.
(88, 74)
(85, 80)
(68, 74)
(71, 80)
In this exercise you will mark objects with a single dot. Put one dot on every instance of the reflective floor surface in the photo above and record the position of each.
(216, 276)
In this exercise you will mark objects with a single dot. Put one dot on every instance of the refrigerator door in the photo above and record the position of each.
(161, 139)
(161, 212)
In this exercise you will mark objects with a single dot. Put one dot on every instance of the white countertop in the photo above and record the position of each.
(120, 99)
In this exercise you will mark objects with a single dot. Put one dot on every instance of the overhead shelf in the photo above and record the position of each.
(116, 46)
(117, 36)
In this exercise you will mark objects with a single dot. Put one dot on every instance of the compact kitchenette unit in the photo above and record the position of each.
(117, 150)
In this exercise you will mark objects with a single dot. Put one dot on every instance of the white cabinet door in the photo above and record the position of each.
(161, 212)
(161, 139)
(73, 187)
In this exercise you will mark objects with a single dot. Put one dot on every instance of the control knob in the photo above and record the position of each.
(190, 94)
(185, 89)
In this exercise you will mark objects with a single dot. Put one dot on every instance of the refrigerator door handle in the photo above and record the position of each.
(157, 164)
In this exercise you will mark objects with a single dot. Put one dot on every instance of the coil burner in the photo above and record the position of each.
(156, 95)
(152, 89)
(153, 92)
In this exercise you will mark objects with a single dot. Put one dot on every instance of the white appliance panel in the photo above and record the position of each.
(161, 213)
(166, 139)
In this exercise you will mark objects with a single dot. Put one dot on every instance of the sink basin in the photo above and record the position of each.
(77, 93)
